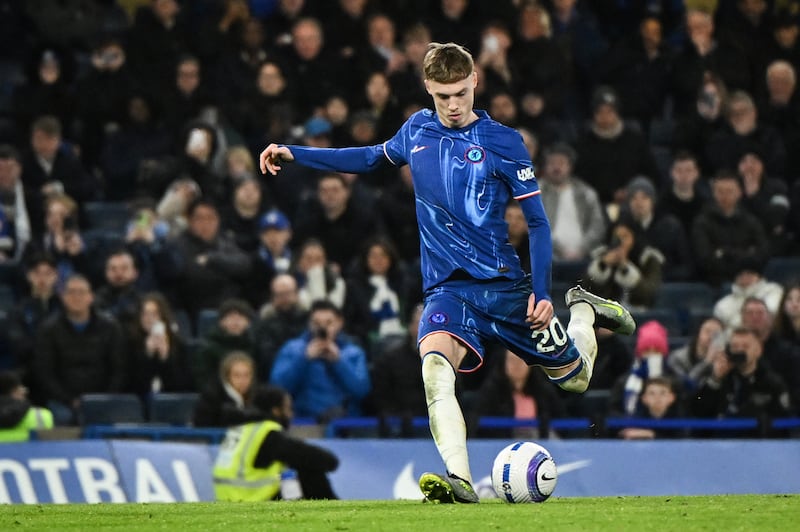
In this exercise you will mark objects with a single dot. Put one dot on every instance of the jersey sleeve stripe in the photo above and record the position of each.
(387, 155)
(528, 195)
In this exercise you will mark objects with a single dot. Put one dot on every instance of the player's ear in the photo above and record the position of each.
(427, 88)
(474, 78)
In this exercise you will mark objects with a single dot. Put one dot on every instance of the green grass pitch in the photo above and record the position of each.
(714, 513)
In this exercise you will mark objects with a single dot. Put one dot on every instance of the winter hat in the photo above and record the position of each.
(239, 306)
(641, 184)
(652, 336)
(604, 95)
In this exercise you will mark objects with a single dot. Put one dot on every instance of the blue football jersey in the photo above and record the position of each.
(463, 179)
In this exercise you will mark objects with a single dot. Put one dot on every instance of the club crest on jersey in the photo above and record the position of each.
(475, 154)
(439, 318)
(525, 174)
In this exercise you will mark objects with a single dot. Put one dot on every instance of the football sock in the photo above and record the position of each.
(446, 419)
(581, 330)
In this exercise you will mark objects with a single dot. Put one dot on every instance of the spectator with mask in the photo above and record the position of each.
(227, 399)
(253, 456)
(660, 230)
(78, 351)
(577, 219)
(323, 369)
(725, 234)
(652, 348)
(742, 385)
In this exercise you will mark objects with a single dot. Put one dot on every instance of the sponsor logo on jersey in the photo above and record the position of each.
(417, 148)
(475, 154)
(525, 174)
(440, 318)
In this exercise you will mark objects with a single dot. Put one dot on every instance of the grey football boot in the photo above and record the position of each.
(608, 313)
(448, 490)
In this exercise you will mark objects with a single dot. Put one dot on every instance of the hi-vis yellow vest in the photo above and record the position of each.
(36, 418)
(235, 476)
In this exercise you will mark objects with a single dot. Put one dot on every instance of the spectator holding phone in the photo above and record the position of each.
(323, 369)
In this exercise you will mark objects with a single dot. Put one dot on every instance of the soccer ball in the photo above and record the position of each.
(524, 472)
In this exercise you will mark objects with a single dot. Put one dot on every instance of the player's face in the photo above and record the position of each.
(453, 101)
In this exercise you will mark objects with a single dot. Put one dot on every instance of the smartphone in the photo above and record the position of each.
(158, 329)
(197, 140)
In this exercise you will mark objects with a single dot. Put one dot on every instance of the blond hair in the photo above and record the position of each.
(447, 63)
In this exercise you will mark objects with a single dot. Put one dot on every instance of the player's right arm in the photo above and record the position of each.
(356, 160)
(272, 157)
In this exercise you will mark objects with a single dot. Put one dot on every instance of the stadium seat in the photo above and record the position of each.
(173, 408)
(110, 408)
(661, 132)
(666, 317)
(569, 271)
(782, 269)
(111, 216)
(206, 320)
(684, 298)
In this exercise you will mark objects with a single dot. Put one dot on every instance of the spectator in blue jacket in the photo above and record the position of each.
(324, 370)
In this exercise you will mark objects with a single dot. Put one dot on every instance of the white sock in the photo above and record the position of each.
(446, 419)
(581, 330)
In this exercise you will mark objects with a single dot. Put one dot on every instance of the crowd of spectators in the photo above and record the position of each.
(664, 135)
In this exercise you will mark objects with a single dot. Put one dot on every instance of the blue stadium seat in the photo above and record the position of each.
(569, 271)
(173, 408)
(108, 215)
(686, 298)
(110, 408)
(666, 317)
(782, 269)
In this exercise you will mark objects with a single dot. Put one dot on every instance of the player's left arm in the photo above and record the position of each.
(540, 306)
(516, 169)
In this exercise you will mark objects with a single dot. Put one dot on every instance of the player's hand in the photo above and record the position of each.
(539, 313)
(272, 156)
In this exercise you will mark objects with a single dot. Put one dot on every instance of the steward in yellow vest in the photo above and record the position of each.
(253, 456)
(17, 416)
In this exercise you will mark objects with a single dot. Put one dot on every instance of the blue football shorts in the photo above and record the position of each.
(478, 311)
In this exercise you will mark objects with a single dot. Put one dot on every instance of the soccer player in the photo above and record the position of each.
(465, 168)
